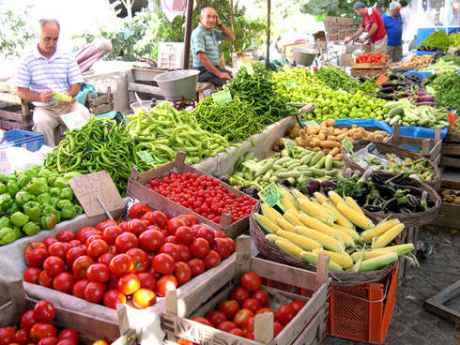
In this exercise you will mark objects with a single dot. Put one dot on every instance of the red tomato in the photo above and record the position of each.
(44, 279)
(149, 217)
(251, 281)
(105, 224)
(170, 239)
(160, 219)
(144, 298)
(84, 233)
(189, 219)
(74, 243)
(166, 283)
(174, 224)
(42, 330)
(110, 233)
(222, 246)
(297, 305)
(44, 311)
(121, 264)
(80, 266)
(184, 235)
(199, 248)
(219, 234)
(250, 324)
(53, 265)
(252, 304)
(137, 226)
(7, 335)
(113, 298)
(21, 337)
(28, 320)
(277, 328)
(184, 252)
(242, 316)
(98, 273)
(264, 310)
(151, 240)
(59, 249)
(73, 253)
(204, 231)
(126, 241)
(63, 282)
(171, 249)
(226, 326)
(202, 320)
(94, 292)
(183, 272)
(69, 333)
(249, 335)
(129, 284)
(197, 266)
(48, 341)
(147, 280)
(66, 342)
(35, 254)
(31, 275)
(97, 247)
(163, 263)
(229, 308)
(105, 258)
(238, 332)
(261, 296)
(138, 210)
(65, 236)
(284, 314)
(49, 241)
(240, 294)
(78, 289)
(212, 259)
(216, 317)
(140, 259)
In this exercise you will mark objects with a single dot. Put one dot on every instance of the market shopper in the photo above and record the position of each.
(394, 26)
(205, 47)
(372, 27)
(47, 70)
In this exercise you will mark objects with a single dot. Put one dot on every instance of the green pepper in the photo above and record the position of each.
(3, 188)
(46, 173)
(30, 229)
(66, 193)
(23, 180)
(78, 209)
(33, 210)
(48, 221)
(54, 191)
(37, 186)
(12, 187)
(4, 222)
(60, 182)
(22, 197)
(53, 201)
(13, 208)
(19, 218)
(5, 202)
(68, 212)
(64, 203)
(9, 235)
(44, 199)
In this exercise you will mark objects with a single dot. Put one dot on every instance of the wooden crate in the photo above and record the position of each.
(14, 113)
(307, 328)
(101, 103)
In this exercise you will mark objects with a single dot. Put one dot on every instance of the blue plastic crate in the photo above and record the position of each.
(425, 52)
(422, 35)
(31, 141)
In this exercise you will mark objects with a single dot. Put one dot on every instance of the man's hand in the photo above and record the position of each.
(224, 76)
(348, 39)
(45, 96)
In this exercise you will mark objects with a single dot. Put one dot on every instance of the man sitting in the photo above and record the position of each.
(42, 73)
(205, 47)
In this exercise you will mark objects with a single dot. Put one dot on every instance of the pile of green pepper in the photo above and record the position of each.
(33, 200)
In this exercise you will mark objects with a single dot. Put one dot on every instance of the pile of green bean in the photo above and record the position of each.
(99, 145)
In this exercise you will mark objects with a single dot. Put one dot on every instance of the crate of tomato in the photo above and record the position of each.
(237, 306)
(185, 188)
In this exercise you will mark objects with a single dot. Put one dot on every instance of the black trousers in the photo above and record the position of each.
(208, 77)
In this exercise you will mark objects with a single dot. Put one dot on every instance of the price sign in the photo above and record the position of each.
(222, 97)
(271, 195)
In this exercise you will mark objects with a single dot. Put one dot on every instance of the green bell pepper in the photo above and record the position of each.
(37, 186)
(4, 222)
(68, 212)
(12, 187)
(13, 208)
(22, 197)
(5, 202)
(44, 199)
(53, 201)
(33, 210)
(66, 193)
(30, 229)
(49, 221)
(63, 204)
(19, 218)
(55, 191)
(60, 182)
(9, 235)
(3, 188)
(78, 209)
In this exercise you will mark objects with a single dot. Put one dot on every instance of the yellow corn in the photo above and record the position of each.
(388, 236)
(335, 197)
(326, 241)
(286, 246)
(353, 204)
(315, 210)
(343, 259)
(400, 249)
(287, 200)
(352, 232)
(377, 262)
(267, 224)
(276, 217)
(322, 199)
(291, 215)
(313, 258)
(341, 219)
(379, 229)
(301, 241)
(355, 217)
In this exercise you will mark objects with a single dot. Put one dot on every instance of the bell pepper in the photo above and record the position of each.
(22, 197)
(23, 180)
(3, 188)
(30, 229)
(44, 172)
(9, 235)
(33, 210)
(4, 179)
(68, 212)
(44, 199)
(5, 202)
(47, 210)
(13, 208)
(63, 204)
(4, 222)
(19, 218)
(66, 193)
(78, 209)
(37, 186)
(48, 221)
(60, 182)
(55, 191)
(12, 187)
(53, 201)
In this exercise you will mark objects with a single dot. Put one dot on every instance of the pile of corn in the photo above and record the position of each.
(334, 226)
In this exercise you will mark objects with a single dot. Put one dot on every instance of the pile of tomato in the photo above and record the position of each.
(203, 194)
(134, 260)
(372, 58)
(236, 314)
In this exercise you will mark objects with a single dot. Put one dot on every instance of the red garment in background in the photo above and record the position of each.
(373, 16)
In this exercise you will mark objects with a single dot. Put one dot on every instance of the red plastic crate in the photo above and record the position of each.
(363, 312)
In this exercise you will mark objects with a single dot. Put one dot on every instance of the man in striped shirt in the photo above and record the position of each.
(45, 71)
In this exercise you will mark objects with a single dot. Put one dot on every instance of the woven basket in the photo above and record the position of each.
(271, 252)
(388, 148)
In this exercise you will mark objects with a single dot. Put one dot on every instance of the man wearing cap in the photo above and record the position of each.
(372, 26)
(393, 26)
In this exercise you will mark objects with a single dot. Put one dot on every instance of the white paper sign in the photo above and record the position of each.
(74, 120)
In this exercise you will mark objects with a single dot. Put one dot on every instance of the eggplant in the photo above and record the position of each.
(313, 186)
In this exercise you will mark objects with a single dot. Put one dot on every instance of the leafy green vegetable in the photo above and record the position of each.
(436, 40)
(447, 90)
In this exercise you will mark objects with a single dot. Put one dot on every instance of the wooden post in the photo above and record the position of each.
(188, 34)
(269, 10)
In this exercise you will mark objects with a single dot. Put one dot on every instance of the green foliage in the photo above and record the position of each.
(15, 33)
(322, 8)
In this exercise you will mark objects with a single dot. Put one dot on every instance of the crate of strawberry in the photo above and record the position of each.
(190, 190)
(133, 261)
(238, 307)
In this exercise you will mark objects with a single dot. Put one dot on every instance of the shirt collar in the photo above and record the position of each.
(39, 55)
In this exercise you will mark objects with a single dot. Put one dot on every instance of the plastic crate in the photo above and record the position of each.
(31, 141)
(363, 312)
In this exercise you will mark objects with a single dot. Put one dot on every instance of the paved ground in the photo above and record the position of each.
(411, 324)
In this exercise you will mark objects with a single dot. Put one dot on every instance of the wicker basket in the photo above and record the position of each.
(388, 148)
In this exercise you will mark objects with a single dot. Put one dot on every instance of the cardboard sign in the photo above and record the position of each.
(74, 120)
(271, 195)
(222, 97)
(89, 188)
